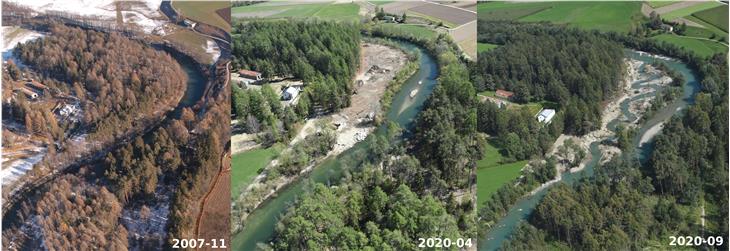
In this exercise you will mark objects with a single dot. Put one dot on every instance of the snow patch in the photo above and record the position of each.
(212, 49)
(11, 172)
(142, 13)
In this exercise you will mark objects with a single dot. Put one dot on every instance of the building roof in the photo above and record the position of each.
(249, 73)
(547, 112)
(292, 90)
(35, 84)
(503, 93)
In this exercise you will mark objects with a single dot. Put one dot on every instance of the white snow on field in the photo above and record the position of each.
(143, 13)
(18, 168)
(11, 37)
(212, 49)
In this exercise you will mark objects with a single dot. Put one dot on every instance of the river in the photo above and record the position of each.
(261, 223)
(524, 207)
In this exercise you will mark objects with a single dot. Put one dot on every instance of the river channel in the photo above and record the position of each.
(523, 208)
(261, 223)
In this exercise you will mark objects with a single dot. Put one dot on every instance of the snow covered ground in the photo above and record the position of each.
(212, 49)
(11, 37)
(143, 13)
(15, 169)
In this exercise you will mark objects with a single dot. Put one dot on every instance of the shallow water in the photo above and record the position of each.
(523, 208)
(261, 223)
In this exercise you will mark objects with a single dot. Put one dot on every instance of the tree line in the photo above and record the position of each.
(116, 85)
(325, 55)
(399, 190)
(629, 203)
(537, 61)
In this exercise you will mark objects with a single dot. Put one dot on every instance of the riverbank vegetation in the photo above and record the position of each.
(324, 55)
(546, 62)
(641, 203)
(114, 87)
(428, 177)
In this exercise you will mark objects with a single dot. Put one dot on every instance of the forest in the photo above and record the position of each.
(114, 86)
(325, 55)
(632, 204)
(576, 69)
(416, 192)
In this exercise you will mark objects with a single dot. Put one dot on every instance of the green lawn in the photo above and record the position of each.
(413, 30)
(204, 12)
(347, 11)
(717, 16)
(605, 16)
(380, 2)
(481, 47)
(707, 26)
(700, 47)
(491, 175)
(507, 10)
(660, 3)
(245, 166)
(689, 10)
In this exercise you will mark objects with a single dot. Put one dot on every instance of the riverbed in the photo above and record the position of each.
(259, 226)
(642, 141)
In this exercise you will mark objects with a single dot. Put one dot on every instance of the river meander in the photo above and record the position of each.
(260, 225)
(523, 208)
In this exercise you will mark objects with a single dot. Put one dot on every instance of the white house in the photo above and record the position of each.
(546, 115)
(290, 93)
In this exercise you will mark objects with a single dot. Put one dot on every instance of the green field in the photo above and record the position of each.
(700, 47)
(482, 47)
(380, 2)
(245, 166)
(491, 175)
(508, 11)
(659, 3)
(689, 10)
(204, 12)
(717, 16)
(410, 29)
(348, 11)
(605, 16)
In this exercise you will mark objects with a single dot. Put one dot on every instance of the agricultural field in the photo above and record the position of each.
(413, 30)
(209, 13)
(482, 47)
(686, 11)
(700, 47)
(605, 16)
(717, 17)
(491, 174)
(193, 41)
(246, 165)
(346, 11)
(377, 2)
(659, 3)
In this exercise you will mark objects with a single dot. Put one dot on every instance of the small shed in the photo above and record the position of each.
(504, 94)
(250, 74)
(546, 115)
(290, 93)
(28, 93)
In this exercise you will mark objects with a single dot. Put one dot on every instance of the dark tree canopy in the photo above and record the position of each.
(576, 69)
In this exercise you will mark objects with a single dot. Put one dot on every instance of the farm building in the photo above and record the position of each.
(546, 115)
(504, 94)
(290, 93)
(28, 93)
(250, 75)
(35, 85)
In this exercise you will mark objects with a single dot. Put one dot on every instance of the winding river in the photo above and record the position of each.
(524, 207)
(261, 223)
